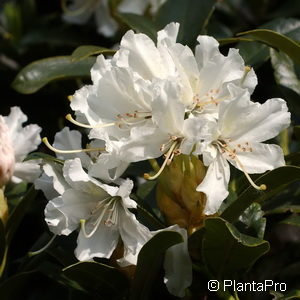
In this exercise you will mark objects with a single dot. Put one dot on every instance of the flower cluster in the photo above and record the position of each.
(145, 102)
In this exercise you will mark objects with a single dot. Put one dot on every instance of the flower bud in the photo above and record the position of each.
(7, 155)
(177, 197)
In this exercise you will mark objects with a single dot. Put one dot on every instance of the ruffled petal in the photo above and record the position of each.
(243, 120)
(101, 244)
(67, 139)
(26, 171)
(215, 184)
(257, 157)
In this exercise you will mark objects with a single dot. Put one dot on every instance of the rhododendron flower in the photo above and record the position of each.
(101, 213)
(237, 138)
(15, 144)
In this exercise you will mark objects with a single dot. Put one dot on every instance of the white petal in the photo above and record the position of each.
(143, 57)
(167, 109)
(133, 6)
(54, 171)
(67, 139)
(134, 236)
(263, 157)
(255, 122)
(215, 184)
(55, 218)
(168, 35)
(45, 183)
(26, 171)
(101, 244)
(178, 265)
(24, 139)
(79, 180)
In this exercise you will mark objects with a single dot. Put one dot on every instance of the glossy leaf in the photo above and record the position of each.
(227, 251)
(39, 73)
(256, 53)
(252, 221)
(98, 278)
(140, 24)
(149, 263)
(275, 40)
(292, 220)
(193, 16)
(18, 213)
(294, 294)
(85, 51)
(275, 180)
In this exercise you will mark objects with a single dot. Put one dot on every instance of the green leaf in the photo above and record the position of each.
(292, 220)
(39, 73)
(275, 180)
(12, 20)
(284, 71)
(139, 24)
(85, 51)
(14, 287)
(44, 156)
(101, 279)
(227, 251)
(294, 294)
(18, 213)
(253, 222)
(255, 53)
(149, 263)
(275, 40)
(193, 16)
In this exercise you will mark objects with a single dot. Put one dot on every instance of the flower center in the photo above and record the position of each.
(108, 214)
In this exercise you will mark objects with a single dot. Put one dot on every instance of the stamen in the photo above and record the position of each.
(166, 161)
(232, 155)
(70, 118)
(33, 253)
(46, 142)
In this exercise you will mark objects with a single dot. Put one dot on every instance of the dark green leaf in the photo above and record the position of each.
(275, 180)
(255, 53)
(140, 24)
(12, 19)
(253, 222)
(149, 263)
(3, 247)
(275, 40)
(39, 73)
(292, 220)
(193, 16)
(145, 188)
(18, 213)
(98, 278)
(15, 287)
(297, 132)
(85, 51)
(227, 251)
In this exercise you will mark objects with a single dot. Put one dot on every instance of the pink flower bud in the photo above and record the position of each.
(7, 155)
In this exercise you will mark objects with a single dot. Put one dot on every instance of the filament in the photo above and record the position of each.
(166, 161)
(71, 119)
(46, 142)
(32, 253)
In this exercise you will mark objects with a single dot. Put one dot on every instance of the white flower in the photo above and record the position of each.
(237, 138)
(80, 11)
(15, 144)
(99, 210)
(148, 100)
